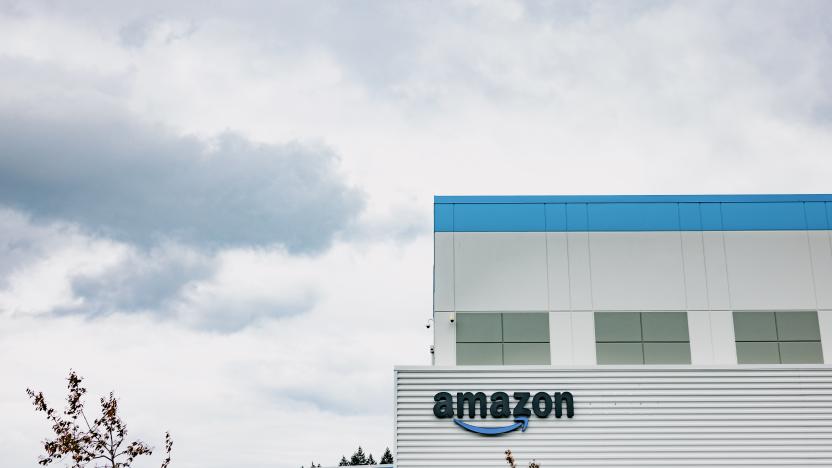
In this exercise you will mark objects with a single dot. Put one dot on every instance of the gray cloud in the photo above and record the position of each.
(19, 243)
(161, 285)
(141, 281)
(143, 184)
(64, 271)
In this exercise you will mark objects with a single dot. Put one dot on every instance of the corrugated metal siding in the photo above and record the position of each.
(668, 416)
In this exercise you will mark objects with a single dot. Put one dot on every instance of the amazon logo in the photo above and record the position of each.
(500, 406)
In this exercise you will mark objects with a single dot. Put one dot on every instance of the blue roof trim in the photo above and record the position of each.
(634, 216)
(711, 214)
(690, 217)
(481, 217)
(632, 213)
(443, 218)
(816, 215)
(763, 216)
(577, 218)
(829, 215)
(632, 198)
(555, 216)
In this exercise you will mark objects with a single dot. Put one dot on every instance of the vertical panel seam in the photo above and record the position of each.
(453, 259)
(811, 258)
(708, 317)
(725, 258)
(777, 335)
(569, 282)
(589, 260)
(682, 254)
(569, 259)
(704, 260)
(546, 241)
(453, 350)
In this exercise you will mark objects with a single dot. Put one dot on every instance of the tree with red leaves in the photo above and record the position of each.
(101, 442)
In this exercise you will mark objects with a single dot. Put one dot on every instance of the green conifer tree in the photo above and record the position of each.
(358, 458)
(387, 458)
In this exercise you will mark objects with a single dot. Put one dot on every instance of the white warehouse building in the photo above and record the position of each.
(625, 331)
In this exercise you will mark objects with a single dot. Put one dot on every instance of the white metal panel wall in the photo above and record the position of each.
(580, 275)
(645, 416)
(444, 339)
(500, 271)
(769, 270)
(701, 338)
(637, 271)
(722, 337)
(583, 338)
(714, 270)
(696, 275)
(560, 339)
(557, 251)
(443, 271)
(820, 244)
(710, 273)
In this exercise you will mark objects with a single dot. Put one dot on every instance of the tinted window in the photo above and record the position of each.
(777, 337)
(642, 338)
(502, 338)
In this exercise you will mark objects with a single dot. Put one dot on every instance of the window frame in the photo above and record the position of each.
(502, 342)
(777, 341)
(642, 341)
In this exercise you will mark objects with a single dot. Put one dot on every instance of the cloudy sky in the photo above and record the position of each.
(222, 210)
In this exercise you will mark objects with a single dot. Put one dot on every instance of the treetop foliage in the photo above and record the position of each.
(104, 440)
(360, 458)
(512, 464)
(387, 458)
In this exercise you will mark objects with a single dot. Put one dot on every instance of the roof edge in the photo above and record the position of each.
(738, 198)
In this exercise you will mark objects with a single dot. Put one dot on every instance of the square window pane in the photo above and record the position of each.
(526, 327)
(665, 326)
(526, 353)
(479, 328)
(756, 352)
(795, 326)
(667, 353)
(617, 326)
(801, 352)
(619, 353)
(754, 326)
(479, 354)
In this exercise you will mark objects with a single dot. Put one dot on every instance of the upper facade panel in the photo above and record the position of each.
(632, 213)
